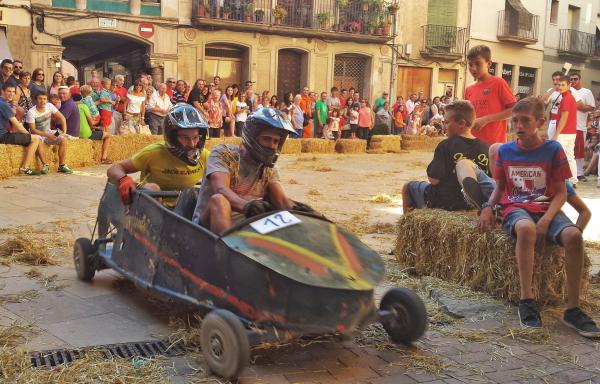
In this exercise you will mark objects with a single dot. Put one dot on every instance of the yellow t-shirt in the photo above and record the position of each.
(159, 166)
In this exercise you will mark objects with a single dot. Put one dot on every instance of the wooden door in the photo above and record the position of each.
(413, 80)
(288, 72)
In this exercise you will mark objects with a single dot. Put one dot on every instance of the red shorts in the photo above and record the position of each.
(580, 145)
(105, 117)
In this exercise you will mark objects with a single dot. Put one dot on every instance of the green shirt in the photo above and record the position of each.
(104, 94)
(85, 131)
(378, 104)
(321, 110)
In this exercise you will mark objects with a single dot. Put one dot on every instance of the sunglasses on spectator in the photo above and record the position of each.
(170, 81)
(573, 79)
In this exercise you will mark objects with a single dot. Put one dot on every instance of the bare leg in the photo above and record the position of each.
(40, 153)
(465, 168)
(592, 165)
(406, 207)
(573, 243)
(62, 152)
(105, 142)
(525, 251)
(29, 151)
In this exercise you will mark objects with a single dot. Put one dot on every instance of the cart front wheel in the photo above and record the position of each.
(224, 343)
(83, 256)
(408, 317)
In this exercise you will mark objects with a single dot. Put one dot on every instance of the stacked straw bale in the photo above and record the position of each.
(350, 146)
(420, 143)
(386, 143)
(234, 140)
(292, 147)
(447, 245)
(318, 145)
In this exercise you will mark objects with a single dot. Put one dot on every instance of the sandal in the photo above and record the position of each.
(106, 161)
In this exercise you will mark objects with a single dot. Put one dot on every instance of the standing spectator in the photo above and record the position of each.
(157, 109)
(563, 124)
(23, 94)
(351, 92)
(194, 98)
(86, 94)
(399, 100)
(171, 87)
(321, 113)
(306, 106)
(241, 114)
(135, 106)
(104, 101)
(120, 93)
(73, 85)
(228, 111)
(380, 101)
(491, 97)
(356, 97)
(333, 101)
(87, 130)
(217, 81)
(343, 98)
(57, 81)
(17, 70)
(353, 118)
(69, 110)
(39, 118)
(346, 111)
(94, 76)
(20, 137)
(296, 114)
(334, 125)
(287, 106)
(585, 105)
(399, 125)
(214, 113)
(273, 103)
(384, 119)
(6, 75)
(37, 82)
(365, 122)
(179, 93)
(411, 103)
(236, 93)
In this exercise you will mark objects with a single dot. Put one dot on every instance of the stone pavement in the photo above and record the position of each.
(68, 313)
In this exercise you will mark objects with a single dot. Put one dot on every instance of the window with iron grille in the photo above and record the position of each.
(349, 72)
(224, 51)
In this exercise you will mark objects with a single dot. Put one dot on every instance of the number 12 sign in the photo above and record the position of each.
(274, 222)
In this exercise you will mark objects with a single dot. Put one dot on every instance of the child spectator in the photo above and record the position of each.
(399, 124)
(334, 124)
(490, 95)
(241, 114)
(86, 92)
(460, 161)
(354, 114)
(530, 176)
(88, 131)
(103, 100)
(365, 121)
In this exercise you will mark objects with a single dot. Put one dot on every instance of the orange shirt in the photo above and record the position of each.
(399, 119)
(490, 97)
(305, 104)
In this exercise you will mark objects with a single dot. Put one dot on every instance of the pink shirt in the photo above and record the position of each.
(364, 117)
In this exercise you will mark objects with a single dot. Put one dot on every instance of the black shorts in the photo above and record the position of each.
(23, 139)
(97, 135)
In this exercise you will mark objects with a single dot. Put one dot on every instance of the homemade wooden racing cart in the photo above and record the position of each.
(271, 277)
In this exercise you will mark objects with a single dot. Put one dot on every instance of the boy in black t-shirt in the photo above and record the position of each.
(458, 174)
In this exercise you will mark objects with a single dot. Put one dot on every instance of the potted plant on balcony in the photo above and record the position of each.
(341, 27)
(354, 27)
(248, 11)
(279, 13)
(371, 25)
(365, 5)
(323, 19)
(259, 15)
(202, 7)
(226, 10)
(387, 25)
(342, 3)
(393, 8)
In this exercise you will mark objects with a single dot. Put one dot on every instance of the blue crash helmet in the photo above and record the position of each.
(260, 119)
(184, 116)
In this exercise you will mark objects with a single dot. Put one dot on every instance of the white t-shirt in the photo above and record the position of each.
(242, 116)
(135, 103)
(353, 117)
(41, 119)
(587, 97)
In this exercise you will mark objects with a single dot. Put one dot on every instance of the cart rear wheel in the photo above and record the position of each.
(409, 319)
(83, 257)
(224, 343)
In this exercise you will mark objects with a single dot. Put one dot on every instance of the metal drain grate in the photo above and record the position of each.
(147, 349)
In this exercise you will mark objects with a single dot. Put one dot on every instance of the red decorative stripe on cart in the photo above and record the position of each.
(245, 308)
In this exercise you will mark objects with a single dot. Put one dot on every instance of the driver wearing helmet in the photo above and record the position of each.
(242, 181)
(173, 165)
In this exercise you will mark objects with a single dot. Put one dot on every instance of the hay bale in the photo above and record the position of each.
(420, 143)
(447, 245)
(318, 145)
(350, 146)
(386, 143)
(292, 146)
(123, 147)
(211, 143)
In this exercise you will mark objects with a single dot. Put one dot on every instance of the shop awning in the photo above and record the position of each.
(524, 17)
(4, 49)
(518, 6)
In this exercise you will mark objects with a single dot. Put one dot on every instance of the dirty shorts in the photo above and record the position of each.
(559, 222)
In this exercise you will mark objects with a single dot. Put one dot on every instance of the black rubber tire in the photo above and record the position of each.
(83, 258)
(225, 345)
(410, 320)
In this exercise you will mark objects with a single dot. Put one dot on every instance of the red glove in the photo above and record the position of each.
(126, 186)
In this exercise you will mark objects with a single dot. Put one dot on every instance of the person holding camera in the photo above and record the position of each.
(241, 114)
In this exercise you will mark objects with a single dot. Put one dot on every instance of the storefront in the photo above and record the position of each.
(526, 84)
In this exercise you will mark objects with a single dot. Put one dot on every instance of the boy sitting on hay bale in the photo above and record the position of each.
(459, 163)
(530, 176)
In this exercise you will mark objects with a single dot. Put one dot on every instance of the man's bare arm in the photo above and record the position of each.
(220, 182)
(277, 197)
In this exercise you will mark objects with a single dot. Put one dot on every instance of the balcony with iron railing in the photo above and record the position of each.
(576, 43)
(520, 28)
(150, 8)
(357, 20)
(443, 42)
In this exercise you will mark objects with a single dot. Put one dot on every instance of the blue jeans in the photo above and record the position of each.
(559, 222)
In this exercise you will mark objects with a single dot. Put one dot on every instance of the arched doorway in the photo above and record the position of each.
(227, 61)
(291, 71)
(110, 54)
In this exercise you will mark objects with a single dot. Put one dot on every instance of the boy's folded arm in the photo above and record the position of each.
(559, 199)
(433, 181)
